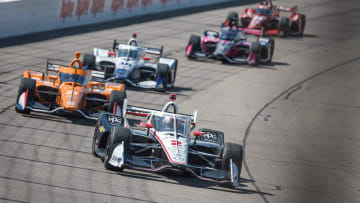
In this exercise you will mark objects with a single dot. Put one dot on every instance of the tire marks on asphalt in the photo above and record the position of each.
(285, 92)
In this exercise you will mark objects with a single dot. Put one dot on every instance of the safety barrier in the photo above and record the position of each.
(18, 17)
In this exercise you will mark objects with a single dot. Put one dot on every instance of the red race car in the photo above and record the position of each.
(265, 19)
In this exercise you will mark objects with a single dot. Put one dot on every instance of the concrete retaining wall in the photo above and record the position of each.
(18, 17)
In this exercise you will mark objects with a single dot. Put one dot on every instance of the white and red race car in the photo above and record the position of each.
(266, 20)
(164, 143)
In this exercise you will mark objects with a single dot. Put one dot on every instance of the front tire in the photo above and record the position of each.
(165, 73)
(235, 153)
(272, 48)
(26, 84)
(93, 146)
(255, 50)
(117, 136)
(193, 46)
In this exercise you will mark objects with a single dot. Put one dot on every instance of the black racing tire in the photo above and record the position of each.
(195, 42)
(114, 45)
(89, 60)
(245, 22)
(303, 23)
(93, 146)
(255, 48)
(26, 84)
(118, 134)
(234, 152)
(272, 42)
(284, 27)
(165, 73)
(117, 97)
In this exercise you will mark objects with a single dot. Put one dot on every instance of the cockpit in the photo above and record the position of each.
(129, 53)
(69, 77)
(231, 34)
(264, 11)
(172, 123)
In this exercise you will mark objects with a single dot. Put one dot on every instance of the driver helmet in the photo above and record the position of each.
(264, 3)
(167, 122)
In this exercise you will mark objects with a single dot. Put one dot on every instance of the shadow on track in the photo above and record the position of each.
(175, 89)
(187, 180)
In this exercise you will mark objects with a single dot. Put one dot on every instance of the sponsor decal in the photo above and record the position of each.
(117, 5)
(146, 3)
(178, 143)
(209, 136)
(132, 4)
(35, 73)
(101, 129)
(67, 8)
(112, 85)
(97, 7)
(114, 120)
(82, 8)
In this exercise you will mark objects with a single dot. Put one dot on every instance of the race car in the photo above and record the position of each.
(68, 89)
(267, 16)
(130, 63)
(163, 143)
(231, 46)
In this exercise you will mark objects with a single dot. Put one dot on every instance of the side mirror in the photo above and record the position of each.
(198, 133)
(147, 125)
(145, 58)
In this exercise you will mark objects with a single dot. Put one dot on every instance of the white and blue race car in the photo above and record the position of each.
(131, 64)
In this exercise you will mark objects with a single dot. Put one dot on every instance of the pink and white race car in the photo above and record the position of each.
(230, 45)
(265, 19)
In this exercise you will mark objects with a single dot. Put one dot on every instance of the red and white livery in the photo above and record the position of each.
(266, 19)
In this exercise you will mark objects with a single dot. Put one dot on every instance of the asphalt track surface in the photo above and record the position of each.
(298, 119)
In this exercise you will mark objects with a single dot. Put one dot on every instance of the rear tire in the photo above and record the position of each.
(245, 22)
(193, 46)
(234, 152)
(303, 23)
(114, 45)
(89, 60)
(117, 97)
(26, 84)
(284, 27)
(118, 135)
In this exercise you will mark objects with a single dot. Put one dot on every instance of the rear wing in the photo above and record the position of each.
(155, 51)
(148, 50)
(52, 67)
(97, 75)
(287, 9)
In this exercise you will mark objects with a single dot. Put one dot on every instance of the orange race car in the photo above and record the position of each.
(68, 89)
